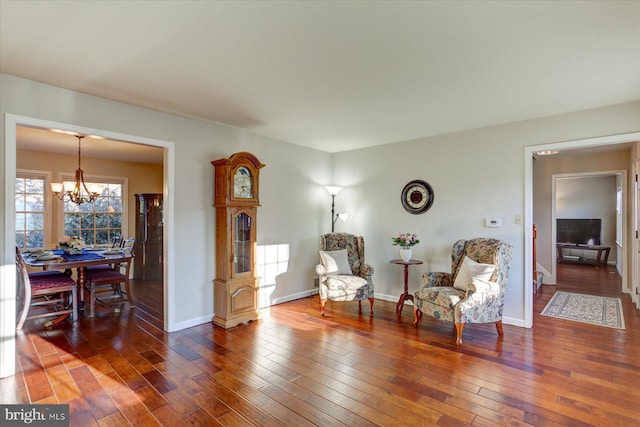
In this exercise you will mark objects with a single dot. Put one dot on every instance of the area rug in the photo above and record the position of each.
(584, 308)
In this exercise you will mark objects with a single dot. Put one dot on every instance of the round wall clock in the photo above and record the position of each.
(417, 197)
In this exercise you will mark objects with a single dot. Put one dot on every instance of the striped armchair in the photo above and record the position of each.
(467, 299)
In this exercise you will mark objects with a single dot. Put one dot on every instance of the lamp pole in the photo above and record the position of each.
(333, 190)
(333, 212)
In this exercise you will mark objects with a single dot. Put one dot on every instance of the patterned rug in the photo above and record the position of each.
(584, 308)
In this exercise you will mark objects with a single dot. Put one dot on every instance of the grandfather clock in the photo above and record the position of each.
(235, 288)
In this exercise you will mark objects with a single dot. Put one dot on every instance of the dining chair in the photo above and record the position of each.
(105, 286)
(117, 242)
(127, 244)
(44, 294)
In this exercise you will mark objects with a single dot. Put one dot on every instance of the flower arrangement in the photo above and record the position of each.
(71, 243)
(405, 240)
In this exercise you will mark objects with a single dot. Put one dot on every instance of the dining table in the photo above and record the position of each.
(59, 260)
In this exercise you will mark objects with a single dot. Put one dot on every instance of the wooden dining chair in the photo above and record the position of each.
(44, 294)
(117, 242)
(105, 287)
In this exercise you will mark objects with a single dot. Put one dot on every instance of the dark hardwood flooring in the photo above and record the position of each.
(296, 368)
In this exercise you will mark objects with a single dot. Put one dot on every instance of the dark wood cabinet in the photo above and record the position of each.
(147, 259)
(236, 201)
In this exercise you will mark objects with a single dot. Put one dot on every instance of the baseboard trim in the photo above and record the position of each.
(513, 322)
(392, 298)
(192, 322)
(292, 297)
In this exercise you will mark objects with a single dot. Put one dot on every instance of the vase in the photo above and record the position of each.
(71, 251)
(405, 254)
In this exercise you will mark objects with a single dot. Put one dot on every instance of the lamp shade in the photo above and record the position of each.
(333, 190)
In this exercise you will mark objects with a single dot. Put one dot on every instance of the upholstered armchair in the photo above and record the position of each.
(474, 290)
(342, 274)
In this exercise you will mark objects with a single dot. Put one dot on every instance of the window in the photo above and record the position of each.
(100, 221)
(30, 210)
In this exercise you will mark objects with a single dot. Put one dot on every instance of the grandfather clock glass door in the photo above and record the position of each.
(242, 239)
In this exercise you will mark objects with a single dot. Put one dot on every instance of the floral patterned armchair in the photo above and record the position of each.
(350, 285)
(482, 301)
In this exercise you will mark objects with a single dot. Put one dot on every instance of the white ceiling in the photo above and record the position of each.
(333, 75)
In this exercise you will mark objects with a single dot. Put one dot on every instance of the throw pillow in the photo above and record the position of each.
(471, 270)
(336, 262)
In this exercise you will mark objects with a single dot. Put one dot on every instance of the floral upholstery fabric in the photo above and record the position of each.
(483, 301)
(343, 287)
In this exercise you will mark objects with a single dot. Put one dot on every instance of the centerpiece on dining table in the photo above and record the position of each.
(71, 244)
(406, 241)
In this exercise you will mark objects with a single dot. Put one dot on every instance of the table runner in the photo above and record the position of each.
(84, 256)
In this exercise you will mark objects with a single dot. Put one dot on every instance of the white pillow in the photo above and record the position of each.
(471, 270)
(336, 262)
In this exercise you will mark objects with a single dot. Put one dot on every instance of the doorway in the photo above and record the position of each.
(600, 195)
(529, 156)
(12, 122)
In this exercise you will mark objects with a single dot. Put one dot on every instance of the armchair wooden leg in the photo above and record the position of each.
(370, 306)
(359, 306)
(322, 303)
(499, 328)
(459, 328)
(417, 316)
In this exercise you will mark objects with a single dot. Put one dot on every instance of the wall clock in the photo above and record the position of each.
(417, 197)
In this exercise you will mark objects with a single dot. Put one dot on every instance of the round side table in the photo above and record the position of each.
(405, 295)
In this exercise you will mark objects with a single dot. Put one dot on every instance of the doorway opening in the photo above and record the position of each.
(13, 123)
(529, 156)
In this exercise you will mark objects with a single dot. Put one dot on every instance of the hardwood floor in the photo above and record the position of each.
(148, 295)
(296, 368)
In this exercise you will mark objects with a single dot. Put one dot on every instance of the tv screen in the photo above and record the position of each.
(579, 231)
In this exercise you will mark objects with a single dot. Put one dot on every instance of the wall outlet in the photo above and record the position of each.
(518, 219)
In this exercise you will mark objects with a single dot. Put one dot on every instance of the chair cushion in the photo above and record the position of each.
(52, 280)
(336, 262)
(346, 288)
(444, 296)
(101, 267)
(105, 275)
(471, 270)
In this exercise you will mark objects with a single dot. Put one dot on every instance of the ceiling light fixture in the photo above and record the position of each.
(76, 191)
(547, 152)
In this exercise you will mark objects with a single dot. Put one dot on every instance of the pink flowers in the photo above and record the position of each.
(405, 240)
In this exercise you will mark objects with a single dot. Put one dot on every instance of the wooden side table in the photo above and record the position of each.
(405, 295)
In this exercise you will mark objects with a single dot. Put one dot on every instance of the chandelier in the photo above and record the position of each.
(76, 191)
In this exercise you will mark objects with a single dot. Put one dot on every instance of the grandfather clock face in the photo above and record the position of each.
(242, 183)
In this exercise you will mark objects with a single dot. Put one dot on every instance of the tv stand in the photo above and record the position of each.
(602, 255)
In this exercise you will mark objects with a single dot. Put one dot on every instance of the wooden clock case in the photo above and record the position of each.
(236, 200)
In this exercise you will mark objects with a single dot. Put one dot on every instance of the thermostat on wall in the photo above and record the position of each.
(493, 222)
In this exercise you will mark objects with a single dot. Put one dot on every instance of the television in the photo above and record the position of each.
(579, 231)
